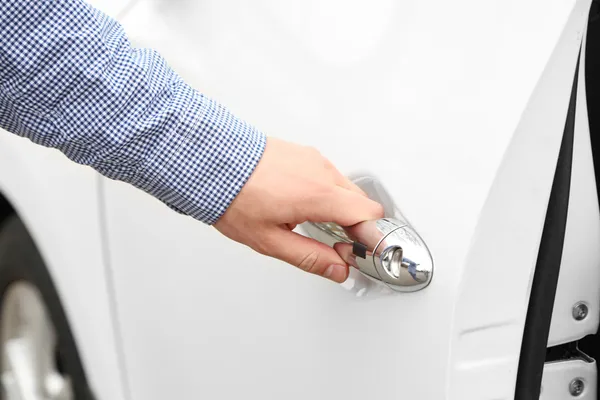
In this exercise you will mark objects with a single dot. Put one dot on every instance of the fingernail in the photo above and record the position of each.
(335, 272)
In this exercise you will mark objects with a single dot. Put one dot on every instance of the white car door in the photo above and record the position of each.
(457, 108)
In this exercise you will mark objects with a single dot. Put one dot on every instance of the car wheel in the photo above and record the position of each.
(39, 359)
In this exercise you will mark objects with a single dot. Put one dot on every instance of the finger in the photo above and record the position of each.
(366, 233)
(345, 208)
(344, 250)
(309, 255)
(341, 180)
(346, 183)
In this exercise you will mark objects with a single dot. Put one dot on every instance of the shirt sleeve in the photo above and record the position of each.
(69, 79)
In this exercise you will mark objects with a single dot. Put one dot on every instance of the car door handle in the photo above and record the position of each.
(386, 250)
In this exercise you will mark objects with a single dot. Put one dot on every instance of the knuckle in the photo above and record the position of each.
(313, 149)
(325, 190)
(313, 152)
(317, 192)
(309, 262)
(379, 211)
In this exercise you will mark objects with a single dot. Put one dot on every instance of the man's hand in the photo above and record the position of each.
(290, 185)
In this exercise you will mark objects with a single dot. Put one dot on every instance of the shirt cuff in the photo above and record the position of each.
(202, 165)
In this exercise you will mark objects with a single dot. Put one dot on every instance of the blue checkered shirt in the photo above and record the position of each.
(70, 79)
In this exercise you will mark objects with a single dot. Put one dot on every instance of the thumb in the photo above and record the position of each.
(308, 255)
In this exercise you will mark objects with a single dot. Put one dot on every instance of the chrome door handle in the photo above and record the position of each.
(387, 250)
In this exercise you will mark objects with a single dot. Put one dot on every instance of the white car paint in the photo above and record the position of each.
(455, 106)
(579, 273)
(491, 303)
(441, 102)
(558, 377)
(58, 201)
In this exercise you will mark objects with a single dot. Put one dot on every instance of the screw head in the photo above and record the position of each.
(580, 311)
(576, 387)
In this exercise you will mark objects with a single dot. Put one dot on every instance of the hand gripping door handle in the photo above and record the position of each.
(387, 250)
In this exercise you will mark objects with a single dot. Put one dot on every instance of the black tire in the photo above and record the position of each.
(21, 261)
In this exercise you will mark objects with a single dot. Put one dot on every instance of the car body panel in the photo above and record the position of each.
(493, 297)
(58, 202)
(454, 107)
(579, 275)
(452, 112)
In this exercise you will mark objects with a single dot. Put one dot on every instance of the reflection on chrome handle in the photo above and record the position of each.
(387, 250)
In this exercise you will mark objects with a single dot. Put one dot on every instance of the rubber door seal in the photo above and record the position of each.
(545, 280)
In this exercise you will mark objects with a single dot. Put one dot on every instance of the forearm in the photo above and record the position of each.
(69, 79)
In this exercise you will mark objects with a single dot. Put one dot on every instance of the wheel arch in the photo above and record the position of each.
(58, 202)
